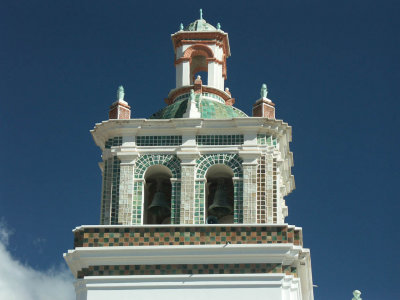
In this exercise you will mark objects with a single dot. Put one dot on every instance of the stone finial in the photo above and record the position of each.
(356, 294)
(181, 27)
(264, 106)
(218, 26)
(264, 91)
(120, 108)
(120, 93)
(201, 14)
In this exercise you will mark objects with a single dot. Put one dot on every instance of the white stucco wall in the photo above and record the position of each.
(193, 287)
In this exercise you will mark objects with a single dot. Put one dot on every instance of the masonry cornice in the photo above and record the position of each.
(187, 281)
(83, 257)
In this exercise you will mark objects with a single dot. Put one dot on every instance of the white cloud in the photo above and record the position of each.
(21, 282)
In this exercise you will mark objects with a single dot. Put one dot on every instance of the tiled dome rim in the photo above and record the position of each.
(210, 109)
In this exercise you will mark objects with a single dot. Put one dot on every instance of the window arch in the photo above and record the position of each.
(209, 169)
(198, 56)
(157, 195)
(155, 172)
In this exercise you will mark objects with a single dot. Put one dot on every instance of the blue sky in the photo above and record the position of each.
(332, 68)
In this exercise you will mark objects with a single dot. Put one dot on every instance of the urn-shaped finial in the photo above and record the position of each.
(264, 91)
(120, 93)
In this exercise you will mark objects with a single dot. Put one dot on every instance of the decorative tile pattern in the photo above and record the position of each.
(187, 195)
(159, 140)
(231, 160)
(274, 192)
(249, 194)
(170, 161)
(181, 269)
(137, 202)
(175, 202)
(214, 110)
(183, 96)
(110, 193)
(175, 110)
(237, 139)
(238, 201)
(216, 97)
(267, 198)
(125, 194)
(115, 141)
(264, 139)
(199, 202)
(209, 109)
(185, 235)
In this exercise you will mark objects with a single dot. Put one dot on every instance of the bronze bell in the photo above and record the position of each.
(159, 206)
(220, 206)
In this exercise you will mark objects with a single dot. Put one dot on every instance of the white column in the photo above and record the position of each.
(179, 70)
(185, 73)
(212, 75)
(182, 74)
(219, 76)
(126, 189)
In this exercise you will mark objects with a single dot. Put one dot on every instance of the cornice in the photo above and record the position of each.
(197, 37)
(83, 257)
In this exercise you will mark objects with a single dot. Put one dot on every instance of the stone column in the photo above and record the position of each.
(187, 193)
(249, 165)
(188, 156)
(126, 189)
(127, 156)
(185, 73)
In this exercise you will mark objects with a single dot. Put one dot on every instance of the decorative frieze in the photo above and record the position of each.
(185, 235)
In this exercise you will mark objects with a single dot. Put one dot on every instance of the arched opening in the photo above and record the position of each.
(157, 195)
(199, 66)
(219, 195)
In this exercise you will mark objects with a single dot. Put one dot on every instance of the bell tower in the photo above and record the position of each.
(200, 47)
(193, 197)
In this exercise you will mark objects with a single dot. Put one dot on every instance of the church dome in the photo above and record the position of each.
(200, 25)
(209, 109)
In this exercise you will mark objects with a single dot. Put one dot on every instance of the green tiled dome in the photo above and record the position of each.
(209, 109)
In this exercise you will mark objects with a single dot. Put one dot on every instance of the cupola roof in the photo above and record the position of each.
(208, 109)
(200, 25)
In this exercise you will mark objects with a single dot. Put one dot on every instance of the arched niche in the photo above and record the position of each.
(219, 198)
(157, 195)
(199, 56)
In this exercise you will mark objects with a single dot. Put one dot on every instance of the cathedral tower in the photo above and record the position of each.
(193, 198)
